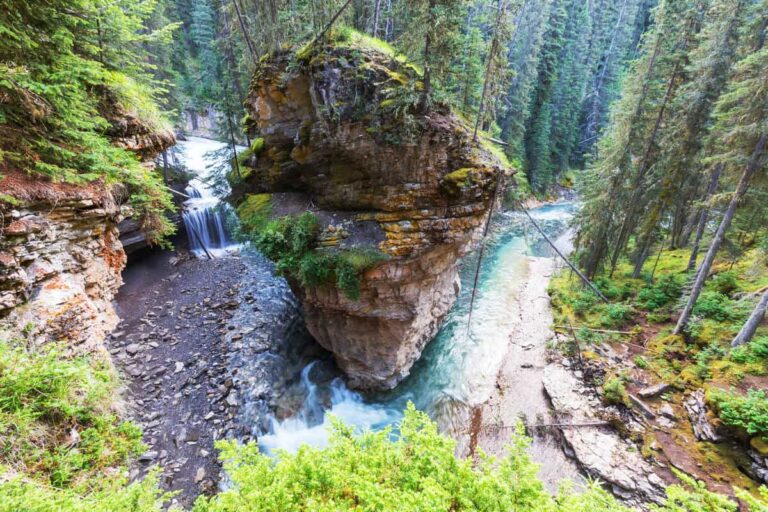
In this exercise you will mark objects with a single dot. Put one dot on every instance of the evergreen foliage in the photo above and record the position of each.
(66, 69)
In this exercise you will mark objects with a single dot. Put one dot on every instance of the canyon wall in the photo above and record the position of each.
(339, 133)
(60, 254)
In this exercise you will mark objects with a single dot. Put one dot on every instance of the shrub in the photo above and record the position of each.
(582, 302)
(724, 282)
(666, 289)
(714, 305)
(291, 242)
(17, 495)
(615, 314)
(413, 468)
(615, 393)
(748, 412)
(44, 398)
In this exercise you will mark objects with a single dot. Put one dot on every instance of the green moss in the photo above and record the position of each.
(292, 243)
(255, 211)
(460, 177)
(257, 145)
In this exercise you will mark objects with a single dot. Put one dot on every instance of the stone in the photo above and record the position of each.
(696, 408)
(421, 205)
(133, 349)
(667, 411)
(655, 390)
(199, 475)
(148, 456)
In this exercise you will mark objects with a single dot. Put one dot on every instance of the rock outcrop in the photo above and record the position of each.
(340, 134)
(60, 253)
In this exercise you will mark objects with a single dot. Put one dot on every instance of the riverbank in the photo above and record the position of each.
(169, 346)
(519, 391)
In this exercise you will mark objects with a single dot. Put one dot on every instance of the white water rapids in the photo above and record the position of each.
(458, 369)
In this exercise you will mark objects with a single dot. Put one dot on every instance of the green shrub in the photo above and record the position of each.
(582, 302)
(759, 347)
(413, 468)
(710, 353)
(613, 315)
(666, 289)
(19, 495)
(615, 393)
(641, 363)
(714, 305)
(748, 412)
(291, 242)
(724, 282)
(44, 398)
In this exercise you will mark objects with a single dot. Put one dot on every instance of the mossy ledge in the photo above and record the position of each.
(372, 202)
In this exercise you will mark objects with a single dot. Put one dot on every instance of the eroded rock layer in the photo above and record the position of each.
(340, 133)
(60, 252)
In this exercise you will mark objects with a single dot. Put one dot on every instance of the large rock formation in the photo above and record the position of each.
(340, 134)
(60, 254)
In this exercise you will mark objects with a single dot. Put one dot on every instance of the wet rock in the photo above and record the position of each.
(133, 349)
(697, 412)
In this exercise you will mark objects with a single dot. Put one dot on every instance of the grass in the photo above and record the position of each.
(57, 424)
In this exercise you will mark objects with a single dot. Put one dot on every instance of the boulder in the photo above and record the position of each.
(338, 132)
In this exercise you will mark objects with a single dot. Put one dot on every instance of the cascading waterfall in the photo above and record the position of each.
(204, 213)
(458, 369)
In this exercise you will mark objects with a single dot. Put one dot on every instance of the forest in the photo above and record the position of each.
(607, 155)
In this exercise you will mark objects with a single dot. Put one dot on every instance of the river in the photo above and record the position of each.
(458, 371)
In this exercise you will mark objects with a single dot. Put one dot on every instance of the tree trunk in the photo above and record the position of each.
(376, 14)
(706, 265)
(629, 220)
(750, 326)
(247, 37)
(489, 66)
(704, 217)
(424, 103)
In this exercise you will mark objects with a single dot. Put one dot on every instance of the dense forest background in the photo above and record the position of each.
(557, 65)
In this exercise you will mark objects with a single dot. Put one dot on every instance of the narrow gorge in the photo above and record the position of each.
(428, 255)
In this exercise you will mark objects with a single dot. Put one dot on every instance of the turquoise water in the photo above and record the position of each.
(458, 368)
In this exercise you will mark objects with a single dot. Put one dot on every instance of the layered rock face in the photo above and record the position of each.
(341, 136)
(60, 261)
(60, 253)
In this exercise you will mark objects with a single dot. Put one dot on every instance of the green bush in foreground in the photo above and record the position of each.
(413, 469)
(18, 495)
(749, 412)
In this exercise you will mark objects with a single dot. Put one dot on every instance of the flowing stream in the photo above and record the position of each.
(458, 369)
(203, 212)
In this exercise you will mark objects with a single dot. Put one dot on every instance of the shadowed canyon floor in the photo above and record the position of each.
(171, 350)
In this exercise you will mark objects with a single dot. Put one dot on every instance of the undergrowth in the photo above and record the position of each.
(291, 242)
(56, 419)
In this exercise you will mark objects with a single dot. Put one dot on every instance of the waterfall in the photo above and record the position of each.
(203, 212)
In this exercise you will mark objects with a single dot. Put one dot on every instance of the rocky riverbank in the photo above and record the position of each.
(206, 348)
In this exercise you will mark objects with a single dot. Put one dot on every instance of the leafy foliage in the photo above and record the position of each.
(291, 242)
(67, 67)
(411, 469)
(748, 412)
